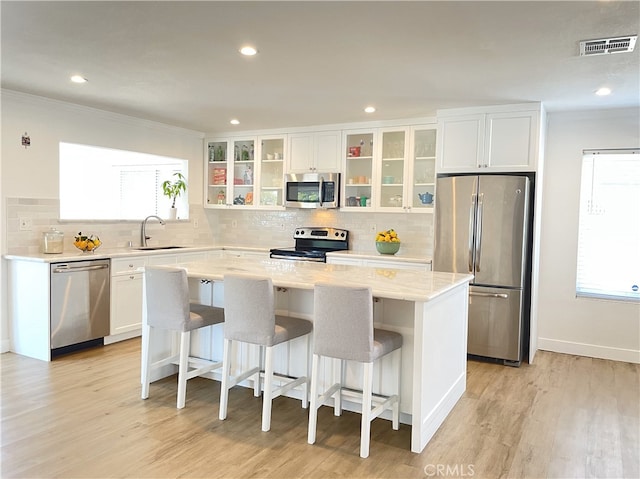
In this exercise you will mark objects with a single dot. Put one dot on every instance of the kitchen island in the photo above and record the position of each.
(428, 308)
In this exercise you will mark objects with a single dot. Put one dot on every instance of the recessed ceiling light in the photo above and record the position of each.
(248, 50)
(604, 91)
(78, 79)
(235, 122)
(370, 109)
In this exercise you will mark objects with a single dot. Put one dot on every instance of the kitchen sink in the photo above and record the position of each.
(152, 248)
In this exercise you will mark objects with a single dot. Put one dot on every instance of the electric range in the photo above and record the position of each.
(313, 243)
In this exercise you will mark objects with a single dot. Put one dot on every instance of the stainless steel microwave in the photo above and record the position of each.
(312, 190)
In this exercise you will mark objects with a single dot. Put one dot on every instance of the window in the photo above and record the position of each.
(609, 232)
(106, 184)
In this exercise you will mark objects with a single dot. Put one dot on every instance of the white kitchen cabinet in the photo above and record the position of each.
(126, 294)
(314, 151)
(387, 169)
(127, 287)
(126, 303)
(246, 172)
(392, 178)
(359, 166)
(230, 172)
(29, 294)
(491, 139)
(270, 175)
(460, 143)
(510, 140)
(422, 169)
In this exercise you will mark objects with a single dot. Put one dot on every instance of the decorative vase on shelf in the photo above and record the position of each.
(173, 213)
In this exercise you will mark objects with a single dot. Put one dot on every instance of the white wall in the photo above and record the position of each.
(566, 324)
(33, 172)
(588, 327)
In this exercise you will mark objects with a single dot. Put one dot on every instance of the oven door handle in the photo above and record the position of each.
(295, 258)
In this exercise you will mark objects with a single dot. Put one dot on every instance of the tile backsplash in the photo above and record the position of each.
(44, 214)
(251, 228)
(275, 228)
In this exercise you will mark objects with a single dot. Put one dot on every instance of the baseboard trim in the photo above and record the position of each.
(589, 350)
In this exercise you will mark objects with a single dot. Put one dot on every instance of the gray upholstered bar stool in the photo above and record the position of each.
(343, 329)
(249, 309)
(168, 308)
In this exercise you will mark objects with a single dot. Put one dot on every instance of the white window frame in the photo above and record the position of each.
(92, 180)
(608, 265)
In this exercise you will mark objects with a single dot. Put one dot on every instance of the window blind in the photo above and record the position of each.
(138, 193)
(609, 228)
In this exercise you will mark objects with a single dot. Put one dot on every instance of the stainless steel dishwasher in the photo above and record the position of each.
(79, 304)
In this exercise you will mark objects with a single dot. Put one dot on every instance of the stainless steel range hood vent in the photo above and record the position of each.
(605, 46)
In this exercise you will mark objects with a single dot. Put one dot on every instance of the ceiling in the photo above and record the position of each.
(318, 62)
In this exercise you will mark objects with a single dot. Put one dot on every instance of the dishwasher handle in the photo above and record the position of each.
(74, 269)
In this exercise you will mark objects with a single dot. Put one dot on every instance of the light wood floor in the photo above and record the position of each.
(81, 416)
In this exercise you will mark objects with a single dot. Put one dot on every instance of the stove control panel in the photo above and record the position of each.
(324, 233)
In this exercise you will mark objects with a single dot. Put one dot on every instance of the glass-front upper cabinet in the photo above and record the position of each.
(243, 172)
(216, 174)
(271, 174)
(393, 172)
(230, 172)
(423, 168)
(359, 168)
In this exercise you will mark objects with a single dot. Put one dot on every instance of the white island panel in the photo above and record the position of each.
(428, 308)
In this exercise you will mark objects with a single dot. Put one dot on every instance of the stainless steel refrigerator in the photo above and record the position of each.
(482, 225)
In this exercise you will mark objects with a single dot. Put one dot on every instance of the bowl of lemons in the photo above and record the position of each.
(387, 242)
(86, 242)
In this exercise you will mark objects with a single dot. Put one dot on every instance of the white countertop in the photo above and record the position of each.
(384, 282)
(400, 256)
(107, 253)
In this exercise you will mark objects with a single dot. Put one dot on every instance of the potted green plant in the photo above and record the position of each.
(173, 189)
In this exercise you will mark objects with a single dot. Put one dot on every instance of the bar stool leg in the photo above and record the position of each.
(267, 397)
(183, 368)
(224, 387)
(367, 391)
(337, 400)
(305, 390)
(313, 408)
(256, 379)
(396, 405)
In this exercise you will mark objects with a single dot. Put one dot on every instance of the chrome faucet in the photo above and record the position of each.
(143, 233)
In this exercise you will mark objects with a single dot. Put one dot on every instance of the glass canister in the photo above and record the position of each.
(52, 241)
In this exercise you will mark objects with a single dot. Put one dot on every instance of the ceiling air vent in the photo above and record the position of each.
(604, 46)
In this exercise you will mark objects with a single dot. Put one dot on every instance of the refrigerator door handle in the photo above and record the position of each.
(489, 295)
(471, 224)
(479, 231)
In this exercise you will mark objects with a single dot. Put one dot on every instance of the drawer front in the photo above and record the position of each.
(127, 265)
